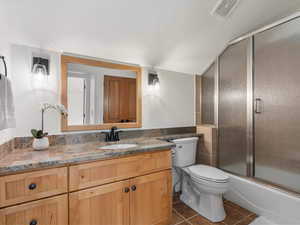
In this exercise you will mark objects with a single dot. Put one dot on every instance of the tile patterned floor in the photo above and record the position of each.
(236, 215)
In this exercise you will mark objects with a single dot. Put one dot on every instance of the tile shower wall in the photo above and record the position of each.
(207, 149)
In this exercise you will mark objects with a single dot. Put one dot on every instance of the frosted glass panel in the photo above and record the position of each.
(233, 108)
(277, 84)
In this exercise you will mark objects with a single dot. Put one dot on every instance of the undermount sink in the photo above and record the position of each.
(118, 146)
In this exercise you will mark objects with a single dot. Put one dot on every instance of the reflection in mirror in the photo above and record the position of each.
(98, 95)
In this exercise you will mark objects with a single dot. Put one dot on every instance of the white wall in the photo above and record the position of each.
(170, 106)
(31, 90)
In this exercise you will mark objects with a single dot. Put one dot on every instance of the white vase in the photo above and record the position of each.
(40, 143)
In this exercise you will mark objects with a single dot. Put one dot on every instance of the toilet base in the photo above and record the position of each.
(210, 207)
(207, 205)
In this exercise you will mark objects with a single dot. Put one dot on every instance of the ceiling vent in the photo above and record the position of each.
(224, 8)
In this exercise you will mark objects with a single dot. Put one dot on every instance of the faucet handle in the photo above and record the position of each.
(114, 128)
(117, 137)
(107, 135)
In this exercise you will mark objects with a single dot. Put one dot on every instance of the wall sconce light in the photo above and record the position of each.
(40, 65)
(153, 79)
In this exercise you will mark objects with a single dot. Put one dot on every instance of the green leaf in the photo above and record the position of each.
(39, 134)
(34, 133)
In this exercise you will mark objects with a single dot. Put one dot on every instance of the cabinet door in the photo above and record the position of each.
(52, 211)
(103, 205)
(150, 199)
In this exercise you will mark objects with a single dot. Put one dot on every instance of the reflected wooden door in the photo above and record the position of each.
(131, 83)
(119, 99)
(150, 199)
(103, 205)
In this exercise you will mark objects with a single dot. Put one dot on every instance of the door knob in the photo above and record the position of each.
(126, 190)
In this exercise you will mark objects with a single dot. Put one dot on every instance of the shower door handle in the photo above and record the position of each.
(258, 105)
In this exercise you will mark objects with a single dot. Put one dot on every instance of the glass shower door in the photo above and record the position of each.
(277, 100)
(232, 119)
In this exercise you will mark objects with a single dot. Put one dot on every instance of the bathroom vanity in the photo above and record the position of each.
(83, 184)
(87, 181)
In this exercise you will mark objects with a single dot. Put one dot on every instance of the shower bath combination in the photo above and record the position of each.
(252, 94)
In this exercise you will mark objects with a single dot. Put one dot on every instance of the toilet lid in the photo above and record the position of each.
(208, 173)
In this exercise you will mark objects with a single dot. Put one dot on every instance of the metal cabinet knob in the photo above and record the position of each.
(32, 186)
(133, 188)
(126, 190)
(33, 222)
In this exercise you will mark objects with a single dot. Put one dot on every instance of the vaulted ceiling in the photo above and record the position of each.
(176, 35)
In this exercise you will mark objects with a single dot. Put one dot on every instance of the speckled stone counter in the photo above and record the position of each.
(22, 160)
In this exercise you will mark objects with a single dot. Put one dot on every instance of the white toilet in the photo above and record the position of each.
(202, 186)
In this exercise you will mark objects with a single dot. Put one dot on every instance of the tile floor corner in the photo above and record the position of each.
(184, 215)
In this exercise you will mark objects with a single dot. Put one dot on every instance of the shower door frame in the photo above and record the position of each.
(250, 151)
(249, 103)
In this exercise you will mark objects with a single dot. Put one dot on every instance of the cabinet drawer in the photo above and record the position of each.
(96, 173)
(31, 186)
(51, 211)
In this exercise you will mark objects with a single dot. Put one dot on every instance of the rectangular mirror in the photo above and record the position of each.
(99, 95)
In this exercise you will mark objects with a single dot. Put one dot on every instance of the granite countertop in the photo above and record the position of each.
(22, 160)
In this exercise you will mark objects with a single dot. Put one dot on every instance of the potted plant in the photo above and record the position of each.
(40, 141)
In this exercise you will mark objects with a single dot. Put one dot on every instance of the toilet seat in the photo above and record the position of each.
(208, 173)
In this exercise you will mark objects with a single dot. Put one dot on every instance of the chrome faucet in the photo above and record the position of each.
(112, 135)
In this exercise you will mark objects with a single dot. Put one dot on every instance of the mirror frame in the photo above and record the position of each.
(65, 59)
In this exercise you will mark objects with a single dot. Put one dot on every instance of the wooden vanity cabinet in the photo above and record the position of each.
(145, 200)
(131, 190)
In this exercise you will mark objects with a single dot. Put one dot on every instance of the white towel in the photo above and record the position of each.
(7, 110)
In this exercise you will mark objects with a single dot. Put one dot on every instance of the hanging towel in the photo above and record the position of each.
(7, 110)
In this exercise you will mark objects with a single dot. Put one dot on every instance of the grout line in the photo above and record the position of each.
(188, 222)
(191, 217)
(181, 216)
(184, 219)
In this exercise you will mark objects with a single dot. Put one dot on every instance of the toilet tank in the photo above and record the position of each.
(184, 154)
